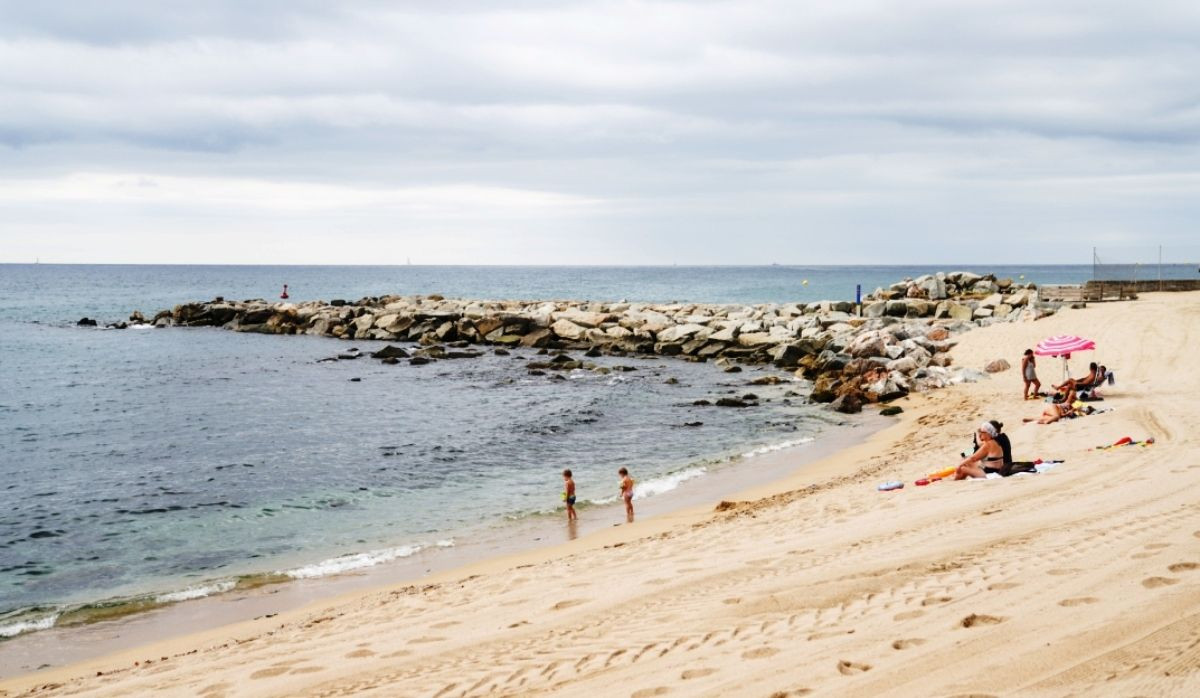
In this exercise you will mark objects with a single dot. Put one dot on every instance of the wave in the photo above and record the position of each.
(25, 626)
(196, 592)
(357, 561)
(763, 450)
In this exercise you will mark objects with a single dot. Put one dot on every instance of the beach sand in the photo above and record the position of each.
(1084, 580)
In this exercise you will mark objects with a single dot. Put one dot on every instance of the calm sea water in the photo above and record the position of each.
(144, 466)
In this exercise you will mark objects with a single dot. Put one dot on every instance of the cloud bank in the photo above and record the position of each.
(596, 132)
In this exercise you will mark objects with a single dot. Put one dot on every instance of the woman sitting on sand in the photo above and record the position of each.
(989, 457)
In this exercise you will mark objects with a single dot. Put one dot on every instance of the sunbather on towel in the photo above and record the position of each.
(1053, 412)
(988, 457)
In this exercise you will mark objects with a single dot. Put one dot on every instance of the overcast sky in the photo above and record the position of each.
(597, 132)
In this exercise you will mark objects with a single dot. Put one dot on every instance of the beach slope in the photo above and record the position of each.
(1084, 580)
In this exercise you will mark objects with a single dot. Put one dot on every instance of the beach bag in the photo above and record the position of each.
(1019, 467)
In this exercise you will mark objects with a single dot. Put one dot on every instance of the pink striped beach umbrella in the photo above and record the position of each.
(1063, 345)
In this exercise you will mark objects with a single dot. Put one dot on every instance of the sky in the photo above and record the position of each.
(597, 132)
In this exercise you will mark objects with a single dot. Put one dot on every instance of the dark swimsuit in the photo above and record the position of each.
(986, 469)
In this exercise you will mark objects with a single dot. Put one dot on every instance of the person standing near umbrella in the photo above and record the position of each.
(1029, 374)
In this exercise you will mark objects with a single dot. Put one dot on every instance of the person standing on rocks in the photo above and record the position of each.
(1029, 374)
(627, 493)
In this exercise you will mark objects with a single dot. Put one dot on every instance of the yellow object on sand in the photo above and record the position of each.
(945, 472)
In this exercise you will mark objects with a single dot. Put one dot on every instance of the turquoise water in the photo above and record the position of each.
(165, 464)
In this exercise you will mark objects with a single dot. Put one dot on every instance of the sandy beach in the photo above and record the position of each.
(1084, 580)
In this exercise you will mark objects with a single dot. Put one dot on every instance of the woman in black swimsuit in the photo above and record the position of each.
(988, 457)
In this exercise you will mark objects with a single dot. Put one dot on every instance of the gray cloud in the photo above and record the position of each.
(809, 132)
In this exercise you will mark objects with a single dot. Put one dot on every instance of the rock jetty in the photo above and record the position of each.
(894, 344)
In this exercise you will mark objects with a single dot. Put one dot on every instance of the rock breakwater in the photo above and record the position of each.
(895, 343)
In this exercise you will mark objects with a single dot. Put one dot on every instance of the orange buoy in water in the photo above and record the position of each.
(284, 295)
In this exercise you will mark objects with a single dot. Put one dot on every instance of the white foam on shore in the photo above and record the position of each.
(356, 561)
(27, 626)
(763, 450)
(196, 592)
(666, 483)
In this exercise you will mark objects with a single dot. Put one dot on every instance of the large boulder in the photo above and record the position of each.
(867, 344)
(681, 332)
(847, 404)
(996, 366)
(756, 339)
(934, 288)
(582, 318)
(537, 338)
(390, 352)
(874, 309)
(958, 311)
(567, 330)
(787, 355)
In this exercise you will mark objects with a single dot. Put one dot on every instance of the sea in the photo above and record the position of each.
(146, 467)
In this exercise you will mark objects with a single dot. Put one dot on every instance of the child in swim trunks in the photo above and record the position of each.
(627, 492)
(569, 494)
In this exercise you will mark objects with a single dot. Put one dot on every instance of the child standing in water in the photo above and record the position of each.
(627, 492)
(569, 494)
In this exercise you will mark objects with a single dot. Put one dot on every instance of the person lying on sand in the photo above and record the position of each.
(1055, 411)
(988, 457)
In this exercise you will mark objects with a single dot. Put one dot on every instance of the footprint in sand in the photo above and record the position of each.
(1080, 601)
(1156, 582)
(518, 624)
(425, 639)
(932, 600)
(446, 624)
(1156, 546)
(908, 615)
(1196, 534)
(907, 643)
(829, 633)
(1141, 556)
(1000, 586)
(795, 692)
(848, 668)
(360, 653)
(1063, 572)
(648, 692)
(272, 671)
(697, 673)
(567, 604)
(397, 653)
(307, 670)
(1184, 566)
(731, 601)
(760, 653)
(976, 619)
